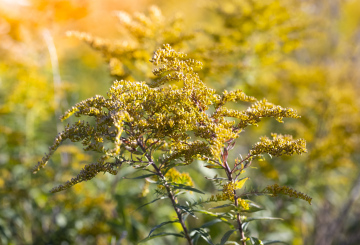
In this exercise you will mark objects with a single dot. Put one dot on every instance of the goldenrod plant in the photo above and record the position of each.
(168, 122)
(302, 54)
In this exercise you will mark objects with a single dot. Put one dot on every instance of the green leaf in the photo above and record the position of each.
(204, 235)
(209, 213)
(141, 177)
(162, 224)
(216, 178)
(245, 225)
(261, 218)
(157, 199)
(196, 239)
(179, 194)
(226, 236)
(220, 216)
(210, 223)
(160, 235)
(207, 238)
(232, 242)
(186, 187)
(273, 241)
(256, 241)
(253, 207)
(222, 206)
(187, 210)
(213, 166)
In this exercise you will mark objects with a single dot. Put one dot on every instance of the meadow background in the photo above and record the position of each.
(299, 54)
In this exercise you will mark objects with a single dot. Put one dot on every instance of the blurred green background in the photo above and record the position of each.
(299, 54)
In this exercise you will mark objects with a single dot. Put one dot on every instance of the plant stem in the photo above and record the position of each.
(170, 194)
(172, 198)
(238, 218)
(243, 238)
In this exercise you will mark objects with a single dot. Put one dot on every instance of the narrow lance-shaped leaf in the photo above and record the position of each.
(161, 235)
(213, 166)
(262, 218)
(273, 242)
(253, 207)
(245, 225)
(140, 177)
(162, 224)
(196, 238)
(226, 236)
(222, 206)
(240, 183)
(185, 187)
(256, 241)
(187, 210)
(210, 223)
(204, 235)
(157, 199)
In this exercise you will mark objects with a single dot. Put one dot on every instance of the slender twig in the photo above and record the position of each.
(169, 191)
(239, 163)
(173, 201)
(238, 218)
(152, 144)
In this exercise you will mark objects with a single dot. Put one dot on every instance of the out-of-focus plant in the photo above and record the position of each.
(246, 37)
(128, 56)
(155, 127)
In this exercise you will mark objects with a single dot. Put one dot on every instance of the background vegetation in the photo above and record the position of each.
(299, 54)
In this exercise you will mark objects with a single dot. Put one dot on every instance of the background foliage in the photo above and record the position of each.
(299, 54)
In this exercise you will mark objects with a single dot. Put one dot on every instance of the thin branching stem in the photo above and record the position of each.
(238, 217)
(173, 202)
(169, 191)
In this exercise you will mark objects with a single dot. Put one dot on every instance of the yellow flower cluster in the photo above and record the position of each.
(284, 190)
(187, 151)
(279, 145)
(91, 137)
(228, 194)
(139, 118)
(228, 191)
(87, 173)
(236, 95)
(169, 56)
(259, 110)
(174, 176)
(243, 204)
(74, 133)
(180, 70)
